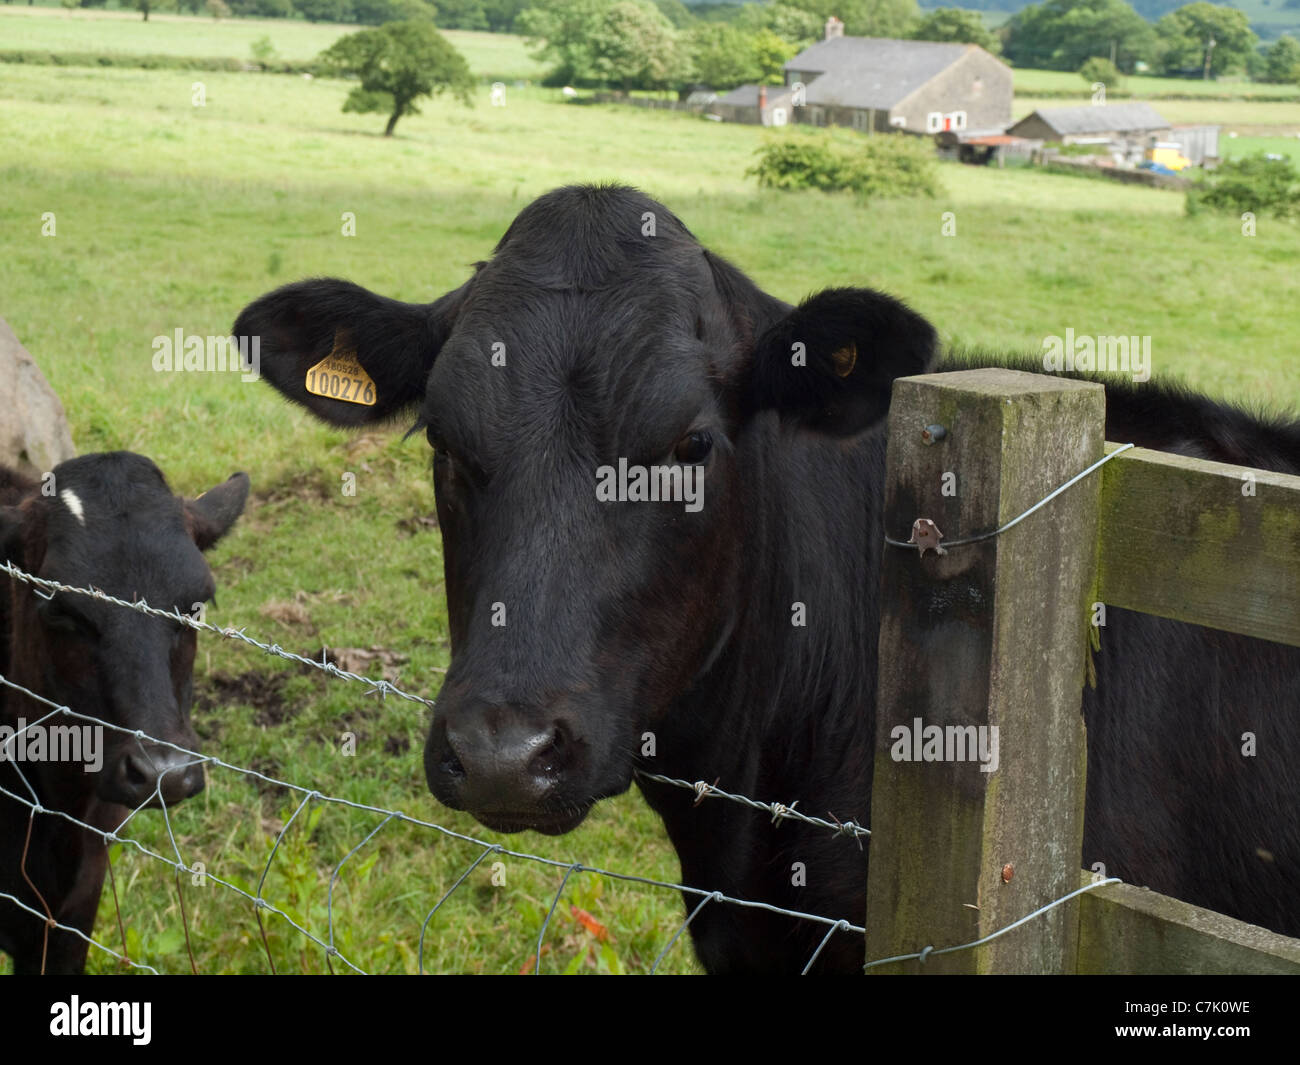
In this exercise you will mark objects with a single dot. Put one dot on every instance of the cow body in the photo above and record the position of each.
(107, 521)
(587, 632)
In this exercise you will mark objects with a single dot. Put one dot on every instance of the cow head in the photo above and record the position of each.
(109, 521)
(599, 341)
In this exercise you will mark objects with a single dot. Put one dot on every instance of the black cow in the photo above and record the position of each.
(600, 329)
(111, 522)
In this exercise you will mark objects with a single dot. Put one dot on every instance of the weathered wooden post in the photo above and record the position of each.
(978, 790)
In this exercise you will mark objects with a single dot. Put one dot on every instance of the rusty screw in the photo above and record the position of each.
(1008, 871)
(932, 434)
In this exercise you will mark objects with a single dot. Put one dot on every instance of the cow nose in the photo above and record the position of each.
(143, 772)
(497, 762)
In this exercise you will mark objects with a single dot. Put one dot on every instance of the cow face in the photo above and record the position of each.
(111, 522)
(587, 396)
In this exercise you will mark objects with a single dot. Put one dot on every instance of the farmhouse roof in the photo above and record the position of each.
(1102, 118)
(872, 72)
(747, 96)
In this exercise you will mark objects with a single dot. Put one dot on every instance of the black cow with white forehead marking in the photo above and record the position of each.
(602, 336)
(107, 521)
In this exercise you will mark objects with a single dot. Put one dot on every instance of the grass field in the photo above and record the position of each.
(1030, 82)
(490, 55)
(174, 216)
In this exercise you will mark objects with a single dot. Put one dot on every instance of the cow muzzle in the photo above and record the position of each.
(146, 774)
(507, 768)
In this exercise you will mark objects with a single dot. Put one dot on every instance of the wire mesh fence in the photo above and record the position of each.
(324, 934)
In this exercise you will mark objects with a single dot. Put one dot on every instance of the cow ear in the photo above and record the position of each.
(830, 363)
(211, 516)
(380, 350)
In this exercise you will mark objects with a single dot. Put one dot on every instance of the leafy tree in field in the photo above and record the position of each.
(770, 55)
(398, 63)
(145, 6)
(637, 48)
(954, 24)
(1185, 37)
(1063, 34)
(866, 18)
(501, 14)
(1283, 60)
(377, 12)
(218, 9)
(625, 43)
(1099, 69)
(722, 55)
(790, 23)
(461, 15)
(325, 10)
(676, 12)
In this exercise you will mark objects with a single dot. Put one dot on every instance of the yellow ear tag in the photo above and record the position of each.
(340, 375)
(845, 359)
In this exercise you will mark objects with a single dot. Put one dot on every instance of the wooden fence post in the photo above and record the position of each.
(991, 635)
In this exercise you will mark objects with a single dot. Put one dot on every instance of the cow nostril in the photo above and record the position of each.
(137, 777)
(451, 765)
(549, 759)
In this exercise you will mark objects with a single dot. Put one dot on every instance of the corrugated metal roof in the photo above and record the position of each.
(873, 72)
(1100, 118)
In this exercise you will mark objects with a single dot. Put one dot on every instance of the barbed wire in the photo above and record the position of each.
(779, 811)
(380, 687)
(310, 795)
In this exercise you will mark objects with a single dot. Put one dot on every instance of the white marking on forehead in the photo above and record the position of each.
(73, 503)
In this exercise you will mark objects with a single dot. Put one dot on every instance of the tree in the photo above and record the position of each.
(377, 12)
(1205, 37)
(1062, 34)
(398, 63)
(637, 48)
(1283, 60)
(866, 18)
(676, 12)
(794, 24)
(625, 43)
(461, 15)
(954, 24)
(1098, 69)
(501, 14)
(145, 6)
(722, 55)
(325, 10)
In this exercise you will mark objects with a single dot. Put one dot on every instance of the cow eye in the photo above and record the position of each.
(694, 447)
(66, 621)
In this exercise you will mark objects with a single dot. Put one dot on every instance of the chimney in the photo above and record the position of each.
(762, 98)
(834, 28)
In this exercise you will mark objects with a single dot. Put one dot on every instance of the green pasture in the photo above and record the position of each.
(1141, 86)
(170, 215)
(490, 55)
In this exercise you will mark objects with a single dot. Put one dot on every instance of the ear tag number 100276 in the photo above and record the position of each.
(340, 376)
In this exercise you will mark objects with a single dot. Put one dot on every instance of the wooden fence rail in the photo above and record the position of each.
(998, 636)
